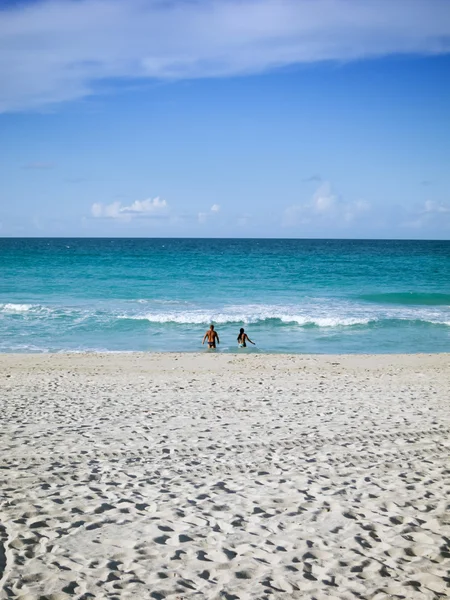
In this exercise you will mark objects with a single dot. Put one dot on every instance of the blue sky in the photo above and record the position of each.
(250, 118)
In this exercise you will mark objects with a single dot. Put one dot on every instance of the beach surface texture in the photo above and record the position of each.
(222, 476)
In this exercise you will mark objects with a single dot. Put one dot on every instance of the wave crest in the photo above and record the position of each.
(17, 308)
(223, 318)
(308, 316)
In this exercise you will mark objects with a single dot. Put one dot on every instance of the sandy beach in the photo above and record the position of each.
(224, 476)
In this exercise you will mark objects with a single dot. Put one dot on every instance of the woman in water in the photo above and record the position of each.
(243, 339)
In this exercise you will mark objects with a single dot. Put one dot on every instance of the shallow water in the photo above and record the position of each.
(299, 296)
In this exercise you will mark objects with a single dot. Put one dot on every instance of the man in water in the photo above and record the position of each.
(212, 336)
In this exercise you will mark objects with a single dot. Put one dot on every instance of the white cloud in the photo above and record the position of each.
(203, 217)
(152, 207)
(436, 208)
(430, 213)
(58, 50)
(149, 206)
(324, 208)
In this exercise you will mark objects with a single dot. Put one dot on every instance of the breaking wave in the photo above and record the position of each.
(17, 308)
(223, 318)
(313, 315)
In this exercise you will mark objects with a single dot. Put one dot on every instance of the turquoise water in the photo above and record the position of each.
(300, 296)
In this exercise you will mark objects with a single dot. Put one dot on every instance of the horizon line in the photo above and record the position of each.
(349, 239)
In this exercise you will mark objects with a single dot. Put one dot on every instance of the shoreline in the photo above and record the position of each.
(210, 359)
(207, 352)
(209, 475)
(227, 351)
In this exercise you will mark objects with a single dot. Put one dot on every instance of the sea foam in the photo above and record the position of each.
(247, 315)
(16, 308)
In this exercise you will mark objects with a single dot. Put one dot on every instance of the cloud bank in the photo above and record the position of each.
(203, 217)
(150, 208)
(325, 208)
(59, 50)
(431, 213)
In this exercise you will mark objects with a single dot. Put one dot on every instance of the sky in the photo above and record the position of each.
(225, 118)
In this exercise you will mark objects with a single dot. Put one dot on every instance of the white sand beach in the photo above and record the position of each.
(224, 476)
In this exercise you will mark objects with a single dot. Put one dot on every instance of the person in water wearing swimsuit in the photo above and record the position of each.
(243, 338)
(212, 336)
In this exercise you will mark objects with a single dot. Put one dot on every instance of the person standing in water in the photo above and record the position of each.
(212, 336)
(243, 339)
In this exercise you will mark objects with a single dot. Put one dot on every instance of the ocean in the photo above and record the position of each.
(295, 296)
